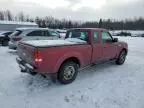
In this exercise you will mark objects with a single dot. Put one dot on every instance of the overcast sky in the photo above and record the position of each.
(77, 9)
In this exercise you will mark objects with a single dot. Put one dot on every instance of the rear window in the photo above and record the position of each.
(38, 33)
(82, 35)
(35, 33)
(16, 33)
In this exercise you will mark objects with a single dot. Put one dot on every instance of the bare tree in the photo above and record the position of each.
(9, 15)
(38, 21)
(21, 16)
(51, 22)
(27, 18)
(1, 15)
(100, 23)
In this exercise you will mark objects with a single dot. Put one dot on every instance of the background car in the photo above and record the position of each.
(142, 35)
(62, 32)
(4, 37)
(24, 34)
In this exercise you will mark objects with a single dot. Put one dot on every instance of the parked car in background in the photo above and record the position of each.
(24, 34)
(62, 32)
(137, 35)
(4, 37)
(124, 34)
(63, 58)
(142, 35)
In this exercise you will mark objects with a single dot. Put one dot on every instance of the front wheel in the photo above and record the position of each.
(121, 58)
(68, 72)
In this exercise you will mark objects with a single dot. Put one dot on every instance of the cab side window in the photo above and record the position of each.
(96, 36)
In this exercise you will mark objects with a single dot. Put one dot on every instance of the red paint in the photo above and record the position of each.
(49, 60)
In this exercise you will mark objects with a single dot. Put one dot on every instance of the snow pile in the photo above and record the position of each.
(101, 86)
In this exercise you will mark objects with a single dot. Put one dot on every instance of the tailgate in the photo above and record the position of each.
(26, 53)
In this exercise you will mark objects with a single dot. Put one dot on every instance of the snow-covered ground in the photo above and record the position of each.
(133, 32)
(101, 86)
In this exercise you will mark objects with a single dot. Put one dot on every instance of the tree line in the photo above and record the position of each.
(51, 22)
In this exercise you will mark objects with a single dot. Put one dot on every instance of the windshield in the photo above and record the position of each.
(81, 35)
(16, 33)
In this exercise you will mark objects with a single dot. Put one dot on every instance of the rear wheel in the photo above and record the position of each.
(121, 58)
(68, 72)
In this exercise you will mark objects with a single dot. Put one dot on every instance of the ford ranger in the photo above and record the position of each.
(63, 58)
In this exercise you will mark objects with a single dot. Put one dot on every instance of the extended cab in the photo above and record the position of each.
(81, 47)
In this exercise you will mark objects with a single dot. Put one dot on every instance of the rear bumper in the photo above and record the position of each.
(25, 67)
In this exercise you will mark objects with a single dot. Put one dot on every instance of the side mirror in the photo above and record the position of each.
(115, 40)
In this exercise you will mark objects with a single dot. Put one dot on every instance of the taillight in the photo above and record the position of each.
(37, 57)
(17, 38)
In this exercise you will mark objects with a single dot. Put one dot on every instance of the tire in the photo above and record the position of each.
(121, 58)
(68, 72)
(33, 73)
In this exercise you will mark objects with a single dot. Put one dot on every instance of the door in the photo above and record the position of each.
(97, 48)
(109, 47)
(34, 35)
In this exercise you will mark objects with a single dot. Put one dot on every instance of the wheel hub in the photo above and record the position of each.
(69, 72)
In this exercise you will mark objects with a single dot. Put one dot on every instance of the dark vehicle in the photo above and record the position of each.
(124, 34)
(4, 37)
(142, 35)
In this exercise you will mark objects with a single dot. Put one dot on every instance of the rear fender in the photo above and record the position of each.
(67, 56)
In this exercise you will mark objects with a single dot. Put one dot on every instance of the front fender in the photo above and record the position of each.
(122, 46)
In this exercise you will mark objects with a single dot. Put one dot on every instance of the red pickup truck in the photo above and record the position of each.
(63, 58)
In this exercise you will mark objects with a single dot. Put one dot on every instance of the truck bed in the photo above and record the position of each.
(47, 43)
(52, 57)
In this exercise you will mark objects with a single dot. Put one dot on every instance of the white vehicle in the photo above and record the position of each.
(24, 34)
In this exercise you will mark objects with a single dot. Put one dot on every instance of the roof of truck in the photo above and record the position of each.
(98, 29)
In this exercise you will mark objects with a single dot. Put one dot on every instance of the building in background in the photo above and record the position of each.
(12, 25)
